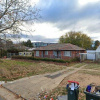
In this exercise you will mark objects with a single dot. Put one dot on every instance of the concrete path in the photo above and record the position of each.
(29, 87)
(7, 95)
(1, 98)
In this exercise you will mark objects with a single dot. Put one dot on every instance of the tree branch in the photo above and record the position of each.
(5, 10)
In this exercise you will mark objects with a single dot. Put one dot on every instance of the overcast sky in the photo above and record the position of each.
(61, 16)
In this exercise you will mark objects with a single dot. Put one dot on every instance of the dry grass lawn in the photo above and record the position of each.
(14, 69)
(95, 66)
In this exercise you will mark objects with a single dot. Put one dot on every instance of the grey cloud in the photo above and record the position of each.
(94, 38)
(94, 28)
(65, 14)
(39, 38)
(55, 10)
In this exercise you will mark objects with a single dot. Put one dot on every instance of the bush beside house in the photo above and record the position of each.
(47, 59)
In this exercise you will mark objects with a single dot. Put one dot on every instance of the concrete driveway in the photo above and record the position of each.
(29, 87)
(1, 98)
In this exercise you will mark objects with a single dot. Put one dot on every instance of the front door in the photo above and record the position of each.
(59, 54)
(42, 54)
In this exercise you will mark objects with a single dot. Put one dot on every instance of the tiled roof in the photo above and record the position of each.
(60, 46)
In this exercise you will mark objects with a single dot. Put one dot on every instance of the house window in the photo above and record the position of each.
(46, 52)
(37, 53)
(55, 53)
(67, 53)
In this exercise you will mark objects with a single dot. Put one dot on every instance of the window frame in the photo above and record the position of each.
(55, 53)
(37, 53)
(46, 52)
(66, 53)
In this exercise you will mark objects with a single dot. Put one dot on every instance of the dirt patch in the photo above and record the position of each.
(83, 79)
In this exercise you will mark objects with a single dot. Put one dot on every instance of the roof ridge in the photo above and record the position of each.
(61, 46)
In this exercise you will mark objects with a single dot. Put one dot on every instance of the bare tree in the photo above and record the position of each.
(13, 13)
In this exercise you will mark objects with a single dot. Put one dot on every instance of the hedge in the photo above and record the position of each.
(46, 59)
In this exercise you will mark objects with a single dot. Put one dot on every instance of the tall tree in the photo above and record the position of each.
(13, 14)
(96, 44)
(5, 44)
(76, 38)
(28, 43)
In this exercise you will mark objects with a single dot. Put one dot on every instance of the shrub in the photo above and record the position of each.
(75, 59)
(68, 61)
(22, 57)
(39, 59)
(3, 53)
(46, 59)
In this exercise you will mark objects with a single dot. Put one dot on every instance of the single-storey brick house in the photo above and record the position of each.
(59, 51)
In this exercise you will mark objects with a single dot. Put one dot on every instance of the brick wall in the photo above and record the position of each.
(50, 54)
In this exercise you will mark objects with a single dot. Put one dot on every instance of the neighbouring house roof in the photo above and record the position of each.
(31, 49)
(20, 46)
(60, 46)
(98, 49)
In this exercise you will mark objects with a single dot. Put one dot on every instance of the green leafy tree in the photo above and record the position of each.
(96, 44)
(13, 50)
(76, 38)
(28, 43)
